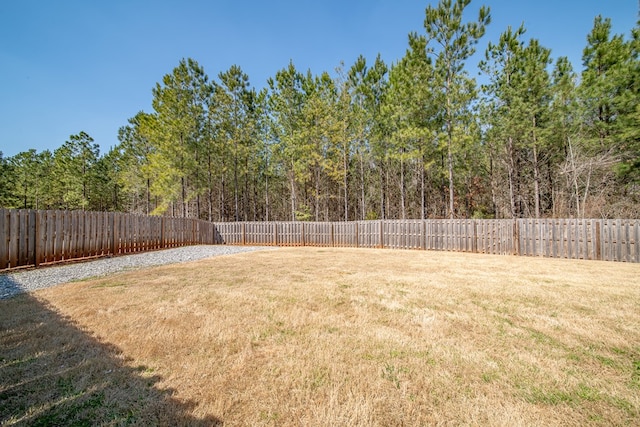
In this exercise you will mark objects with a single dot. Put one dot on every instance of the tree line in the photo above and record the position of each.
(418, 138)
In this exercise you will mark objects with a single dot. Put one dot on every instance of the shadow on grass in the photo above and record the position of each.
(53, 373)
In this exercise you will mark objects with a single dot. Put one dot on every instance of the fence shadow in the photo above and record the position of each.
(53, 373)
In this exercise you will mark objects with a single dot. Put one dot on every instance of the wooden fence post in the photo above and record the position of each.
(516, 237)
(382, 233)
(275, 233)
(162, 235)
(332, 237)
(23, 254)
(114, 228)
(474, 241)
(34, 218)
(5, 235)
(598, 247)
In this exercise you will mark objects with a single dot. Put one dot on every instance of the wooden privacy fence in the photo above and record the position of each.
(31, 238)
(486, 236)
(594, 239)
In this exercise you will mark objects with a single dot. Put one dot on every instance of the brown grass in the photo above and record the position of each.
(309, 336)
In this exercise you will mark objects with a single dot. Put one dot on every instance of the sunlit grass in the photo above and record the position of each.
(308, 336)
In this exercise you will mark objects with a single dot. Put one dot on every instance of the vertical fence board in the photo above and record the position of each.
(93, 233)
(88, 250)
(627, 239)
(77, 234)
(63, 237)
(23, 232)
(584, 239)
(98, 233)
(609, 240)
(618, 234)
(32, 231)
(636, 241)
(570, 237)
(13, 243)
(83, 240)
(40, 237)
(49, 238)
(5, 235)
(90, 231)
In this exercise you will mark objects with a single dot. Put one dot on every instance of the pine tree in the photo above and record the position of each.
(537, 97)
(602, 83)
(411, 105)
(134, 162)
(564, 130)
(607, 100)
(180, 105)
(6, 183)
(505, 112)
(234, 101)
(286, 100)
(74, 171)
(369, 86)
(454, 43)
(25, 168)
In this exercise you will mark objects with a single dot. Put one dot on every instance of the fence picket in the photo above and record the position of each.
(39, 227)
(4, 239)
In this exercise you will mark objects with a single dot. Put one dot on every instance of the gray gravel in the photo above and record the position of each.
(25, 281)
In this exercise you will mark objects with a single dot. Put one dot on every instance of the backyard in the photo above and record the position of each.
(325, 336)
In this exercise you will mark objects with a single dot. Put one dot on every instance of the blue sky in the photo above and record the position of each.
(70, 66)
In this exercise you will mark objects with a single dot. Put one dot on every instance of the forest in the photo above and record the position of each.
(416, 138)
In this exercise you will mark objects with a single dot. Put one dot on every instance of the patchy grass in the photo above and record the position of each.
(306, 336)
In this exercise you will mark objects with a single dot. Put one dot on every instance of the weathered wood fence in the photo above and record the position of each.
(594, 239)
(31, 238)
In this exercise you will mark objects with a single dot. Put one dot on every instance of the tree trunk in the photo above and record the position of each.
(511, 172)
(345, 165)
(451, 201)
(266, 191)
(383, 191)
(223, 201)
(247, 193)
(317, 192)
(293, 193)
(148, 197)
(450, 147)
(184, 197)
(423, 202)
(536, 172)
(209, 187)
(235, 182)
(362, 190)
(575, 179)
(402, 187)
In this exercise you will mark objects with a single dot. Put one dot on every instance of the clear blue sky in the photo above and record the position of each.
(70, 66)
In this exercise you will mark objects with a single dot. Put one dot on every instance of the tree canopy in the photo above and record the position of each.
(415, 138)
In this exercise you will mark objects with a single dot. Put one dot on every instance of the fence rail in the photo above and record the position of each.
(31, 238)
(593, 239)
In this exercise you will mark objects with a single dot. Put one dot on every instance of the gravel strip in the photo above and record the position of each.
(25, 281)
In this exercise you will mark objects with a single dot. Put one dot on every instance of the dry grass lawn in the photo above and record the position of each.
(320, 336)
